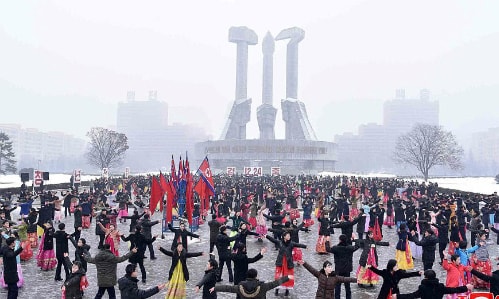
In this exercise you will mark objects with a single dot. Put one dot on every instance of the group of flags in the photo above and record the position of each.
(179, 186)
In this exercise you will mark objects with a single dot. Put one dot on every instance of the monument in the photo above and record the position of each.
(299, 151)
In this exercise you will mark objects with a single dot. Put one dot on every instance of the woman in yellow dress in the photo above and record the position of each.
(179, 274)
(403, 254)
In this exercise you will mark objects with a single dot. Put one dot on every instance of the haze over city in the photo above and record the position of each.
(66, 65)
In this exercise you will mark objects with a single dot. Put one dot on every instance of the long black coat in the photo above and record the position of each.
(223, 244)
(182, 258)
(10, 264)
(343, 256)
(140, 242)
(130, 290)
(391, 281)
(429, 245)
(61, 243)
(208, 281)
(241, 262)
(432, 289)
(182, 235)
(72, 282)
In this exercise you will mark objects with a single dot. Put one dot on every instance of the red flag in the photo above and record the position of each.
(170, 195)
(173, 173)
(189, 201)
(180, 170)
(164, 187)
(204, 172)
(156, 194)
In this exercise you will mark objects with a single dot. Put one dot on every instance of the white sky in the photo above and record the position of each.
(64, 65)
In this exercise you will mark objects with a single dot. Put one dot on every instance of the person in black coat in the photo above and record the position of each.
(102, 219)
(429, 245)
(361, 225)
(78, 222)
(134, 219)
(179, 255)
(391, 277)
(81, 248)
(241, 261)
(139, 241)
(493, 279)
(214, 226)
(128, 285)
(431, 288)
(223, 248)
(209, 280)
(343, 262)
(181, 235)
(147, 224)
(443, 237)
(346, 227)
(10, 267)
(285, 247)
(61, 247)
(71, 285)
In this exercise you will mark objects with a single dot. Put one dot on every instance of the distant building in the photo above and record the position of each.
(371, 150)
(52, 151)
(484, 152)
(151, 139)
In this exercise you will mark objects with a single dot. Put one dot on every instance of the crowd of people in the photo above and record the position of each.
(274, 210)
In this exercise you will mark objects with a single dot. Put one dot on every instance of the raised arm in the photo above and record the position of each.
(311, 269)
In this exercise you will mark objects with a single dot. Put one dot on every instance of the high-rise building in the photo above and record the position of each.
(151, 139)
(484, 152)
(371, 150)
(52, 151)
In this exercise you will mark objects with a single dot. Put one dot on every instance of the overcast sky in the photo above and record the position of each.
(64, 65)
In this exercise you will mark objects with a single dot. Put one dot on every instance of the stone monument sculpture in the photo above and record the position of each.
(294, 114)
(266, 112)
(240, 113)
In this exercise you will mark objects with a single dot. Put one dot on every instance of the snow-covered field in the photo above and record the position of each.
(484, 185)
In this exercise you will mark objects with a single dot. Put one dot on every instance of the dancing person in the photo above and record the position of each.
(223, 248)
(128, 285)
(105, 262)
(61, 247)
(46, 256)
(369, 256)
(284, 262)
(10, 267)
(403, 250)
(209, 279)
(178, 275)
(431, 288)
(181, 235)
(252, 287)
(327, 279)
(343, 262)
(76, 281)
(429, 245)
(139, 241)
(391, 277)
(455, 272)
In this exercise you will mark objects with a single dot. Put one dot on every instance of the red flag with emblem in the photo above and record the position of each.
(204, 172)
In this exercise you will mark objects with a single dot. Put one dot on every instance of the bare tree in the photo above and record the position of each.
(7, 162)
(107, 148)
(426, 146)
